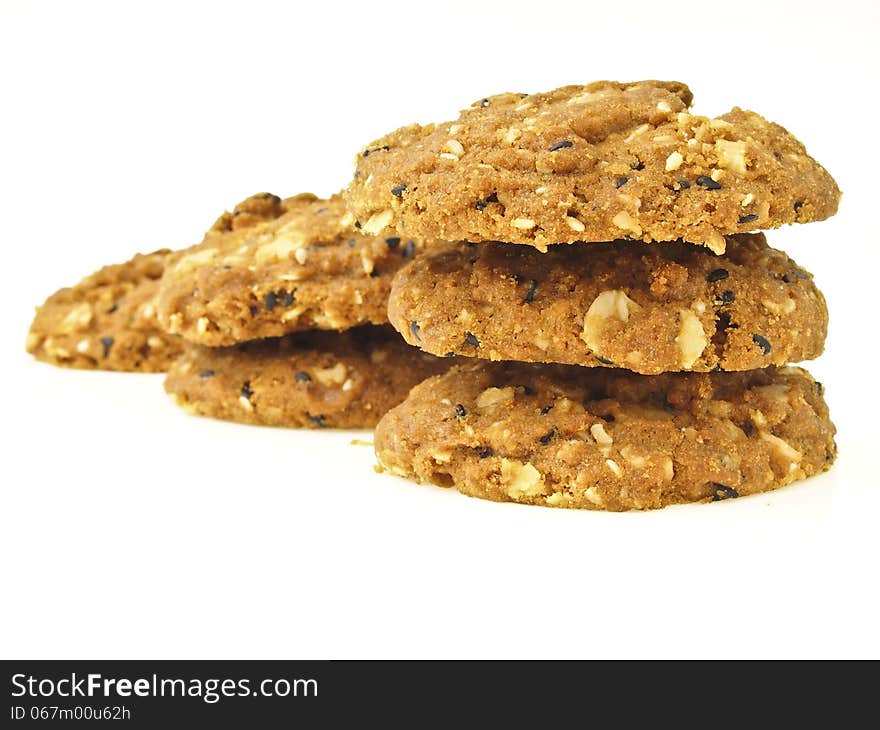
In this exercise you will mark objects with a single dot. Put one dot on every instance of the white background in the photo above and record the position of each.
(130, 529)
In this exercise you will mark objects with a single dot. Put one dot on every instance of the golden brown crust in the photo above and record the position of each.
(590, 163)
(651, 309)
(305, 380)
(275, 266)
(565, 436)
(107, 321)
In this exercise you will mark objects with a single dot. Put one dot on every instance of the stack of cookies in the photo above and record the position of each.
(643, 362)
(278, 317)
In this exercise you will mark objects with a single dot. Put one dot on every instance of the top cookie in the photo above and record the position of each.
(590, 163)
(276, 266)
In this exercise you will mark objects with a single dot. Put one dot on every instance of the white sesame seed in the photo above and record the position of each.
(454, 146)
(575, 224)
(673, 162)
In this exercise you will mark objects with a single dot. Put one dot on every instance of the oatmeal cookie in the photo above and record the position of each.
(590, 163)
(308, 379)
(275, 266)
(108, 320)
(566, 436)
(651, 309)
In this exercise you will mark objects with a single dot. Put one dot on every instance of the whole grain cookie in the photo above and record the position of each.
(651, 309)
(565, 436)
(590, 163)
(108, 320)
(309, 379)
(277, 266)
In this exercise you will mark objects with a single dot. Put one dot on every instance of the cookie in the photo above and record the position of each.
(309, 379)
(590, 163)
(565, 436)
(275, 266)
(651, 309)
(107, 321)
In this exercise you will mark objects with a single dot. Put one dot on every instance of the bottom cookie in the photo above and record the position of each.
(591, 438)
(315, 379)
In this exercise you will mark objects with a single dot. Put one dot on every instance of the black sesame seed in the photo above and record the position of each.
(747, 428)
(357, 224)
(106, 343)
(718, 368)
(484, 103)
(621, 181)
(397, 190)
(286, 298)
(707, 182)
(302, 377)
(530, 294)
(255, 310)
(546, 409)
(206, 374)
(271, 299)
(460, 410)
(482, 204)
(317, 420)
(727, 297)
(484, 453)
(798, 204)
(471, 339)
(723, 322)
(684, 184)
(409, 250)
(384, 147)
(548, 437)
(561, 145)
(414, 328)
(393, 242)
(527, 390)
(722, 492)
(762, 342)
(374, 273)
(748, 218)
(246, 389)
(717, 275)
(449, 354)
(638, 166)
(604, 360)
(820, 389)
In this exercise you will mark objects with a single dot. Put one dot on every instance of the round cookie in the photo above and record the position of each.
(590, 163)
(310, 379)
(277, 266)
(607, 439)
(650, 309)
(108, 320)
